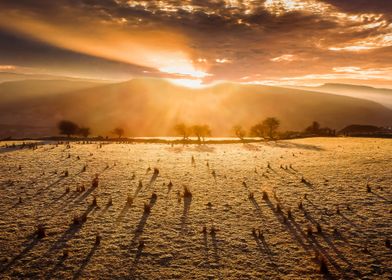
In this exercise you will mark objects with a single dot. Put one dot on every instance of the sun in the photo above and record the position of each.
(189, 83)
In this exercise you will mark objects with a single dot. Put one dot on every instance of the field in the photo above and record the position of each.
(317, 203)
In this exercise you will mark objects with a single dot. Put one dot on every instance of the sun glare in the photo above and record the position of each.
(189, 83)
(185, 70)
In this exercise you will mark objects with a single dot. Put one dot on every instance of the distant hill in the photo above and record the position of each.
(22, 90)
(379, 95)
(151, 107)
(12, 76)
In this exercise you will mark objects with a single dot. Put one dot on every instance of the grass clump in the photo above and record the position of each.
(187, 192)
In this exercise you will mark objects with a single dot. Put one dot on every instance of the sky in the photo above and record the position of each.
(200, 42)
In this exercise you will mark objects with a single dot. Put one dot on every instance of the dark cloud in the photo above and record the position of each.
(362, 6)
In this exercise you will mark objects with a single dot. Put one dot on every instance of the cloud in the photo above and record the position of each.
(284, 58)
(7, 67)
(211, 40)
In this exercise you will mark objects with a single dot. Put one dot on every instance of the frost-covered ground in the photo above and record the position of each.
(335, 170)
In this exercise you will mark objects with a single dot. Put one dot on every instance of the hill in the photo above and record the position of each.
(379, 95)
(150, 107)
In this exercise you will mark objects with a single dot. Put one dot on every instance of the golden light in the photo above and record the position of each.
(189, 83)
(185, 70)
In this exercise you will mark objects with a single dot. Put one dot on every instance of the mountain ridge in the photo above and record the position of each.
(151, 107)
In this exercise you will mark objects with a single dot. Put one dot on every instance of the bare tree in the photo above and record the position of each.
(271, 125)
(267, 127)
(84, 131)
(201, 131)
(257, 130)
(183, 130)
(239, 132)
(314, 128)
(67, 128)
(119, 132)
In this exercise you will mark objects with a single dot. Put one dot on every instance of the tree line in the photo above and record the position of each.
(70, 128)
(265, 129)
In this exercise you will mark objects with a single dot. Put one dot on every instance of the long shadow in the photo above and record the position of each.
(292, 145)
(293, 232)
(185, 212)
(34, 241)
(251, 147)
(204, 148)
(382, 197)
(257, 207)
(136, 260)
(49, 186)
(85, 262)
(324, 253)
(69, 233)
(263, 246)
(337, 251)
(317, 248)
(354, 225)
(86, 194)
(265, 250)
(205, 243)
(59, 264)
(55, 200)
(104, 210)
(122, 213)
(138, 188)
(15, 205)
(309, 217)
(153, 179)
(215, 248)
(142, 223)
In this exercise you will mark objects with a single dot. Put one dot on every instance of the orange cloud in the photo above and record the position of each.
(162, 49)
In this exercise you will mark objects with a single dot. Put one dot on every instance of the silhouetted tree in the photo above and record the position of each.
(314, 128)
(239, 132)
(201, 131)
(67, 128)
(183, 130)
(84, 131)
(271, 125)
(257, 130)
(118, 131)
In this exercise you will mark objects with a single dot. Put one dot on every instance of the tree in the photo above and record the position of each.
(201, 131)
(271, 125)
(206, 131)
(118, 131)
(84, 131)
(314, 128)
(257, 130)
(183, 130)
(239, 132)
(67, 128)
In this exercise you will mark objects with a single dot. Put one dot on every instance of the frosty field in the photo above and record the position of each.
(328, 175)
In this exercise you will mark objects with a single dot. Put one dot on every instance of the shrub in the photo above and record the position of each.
(309, 231)
(388, 243)
(95, 181)
(323, 266)
(97, 239)
(147, 208)
(278, 208)
(187, 192)
(129, 199)
(319, 229)
(41, 233)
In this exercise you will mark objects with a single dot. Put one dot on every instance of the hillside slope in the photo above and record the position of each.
(379, 95)
(150, 107)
